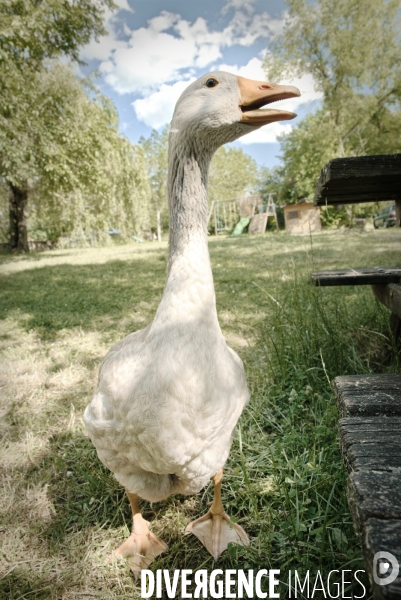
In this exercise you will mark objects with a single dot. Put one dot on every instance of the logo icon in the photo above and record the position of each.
(385, 568)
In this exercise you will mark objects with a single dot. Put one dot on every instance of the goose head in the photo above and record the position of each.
(220, 107)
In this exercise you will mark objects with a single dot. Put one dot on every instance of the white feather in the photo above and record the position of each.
(169, 396)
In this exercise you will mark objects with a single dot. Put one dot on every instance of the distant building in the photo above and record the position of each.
(302, 217)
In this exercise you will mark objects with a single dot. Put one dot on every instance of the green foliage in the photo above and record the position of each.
(351, 49)
(232, 173)
(35, 110)
(63, 140)
(334, 216)
(32, 31)
(305, 150)
(155, 148)
(59, 141)
(269, 182)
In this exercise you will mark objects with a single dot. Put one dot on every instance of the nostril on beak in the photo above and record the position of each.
(265, 86)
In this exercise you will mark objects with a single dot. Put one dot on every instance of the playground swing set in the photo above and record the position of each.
(235, 214)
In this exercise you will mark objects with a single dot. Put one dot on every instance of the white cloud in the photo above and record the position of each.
(153, 56)
(245, 26)
(170, 47)
(238, 5)
(267, 134)
(157, 109)
(104, 47)
(123, 5)
(252, 70)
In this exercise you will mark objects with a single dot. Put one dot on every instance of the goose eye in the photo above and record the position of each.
(211, 82)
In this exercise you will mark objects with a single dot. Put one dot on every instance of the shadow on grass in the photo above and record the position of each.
(58, 297)
(49, 299)
(18, 585)
(86, 498)
(82, 491)
(85, 494)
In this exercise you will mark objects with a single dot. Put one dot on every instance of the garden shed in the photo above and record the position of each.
(302, 217)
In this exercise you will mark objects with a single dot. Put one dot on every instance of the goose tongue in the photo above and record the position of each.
(255, 94)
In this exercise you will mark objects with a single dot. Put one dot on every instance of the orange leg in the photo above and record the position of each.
(142, 546)
(215, 529)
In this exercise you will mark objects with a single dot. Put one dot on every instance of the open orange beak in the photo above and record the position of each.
(255, 94)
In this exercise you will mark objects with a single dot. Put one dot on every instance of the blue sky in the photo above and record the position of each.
(155, 48)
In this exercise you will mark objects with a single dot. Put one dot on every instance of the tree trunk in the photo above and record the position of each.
(159, 227)
(18, 219)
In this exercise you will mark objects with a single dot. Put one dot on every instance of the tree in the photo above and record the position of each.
(270, 182)
(351, 48)
(232, 173)
(156, 152)
(31, 33)
(86, 213)
(304, 151)
(63, 149)
(34, 30)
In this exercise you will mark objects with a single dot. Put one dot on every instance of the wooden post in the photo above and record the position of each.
(210, 212)
(215, 220)
(271, 209)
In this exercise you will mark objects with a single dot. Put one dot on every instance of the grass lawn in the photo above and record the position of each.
(62, 512)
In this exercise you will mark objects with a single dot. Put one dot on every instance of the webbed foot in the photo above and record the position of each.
(216, 531)
(142, 546)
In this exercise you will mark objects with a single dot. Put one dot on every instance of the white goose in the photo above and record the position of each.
(169, 396)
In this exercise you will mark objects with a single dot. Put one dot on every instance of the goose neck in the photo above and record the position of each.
(188, 198)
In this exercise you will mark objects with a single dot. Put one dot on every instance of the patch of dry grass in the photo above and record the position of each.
(61, 512)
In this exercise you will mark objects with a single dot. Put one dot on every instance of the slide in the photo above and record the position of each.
(240, 226)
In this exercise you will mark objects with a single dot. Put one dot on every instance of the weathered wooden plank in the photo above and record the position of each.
(378, 457)
(390, 296)
(370, 440)
(258, 223)
(359, 179)
(382, 536)
(370, 430)
(369, 276)
(368, 395)
(374, 500)
(374, 495)
(371, 443)
(337, 198)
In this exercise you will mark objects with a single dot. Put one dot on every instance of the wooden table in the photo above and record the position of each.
(360, 179)
(370, 405)
(364, 179)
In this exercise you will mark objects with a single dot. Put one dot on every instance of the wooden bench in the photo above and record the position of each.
(385, 282)
(370, 440)
(370, 405)
(364, 179)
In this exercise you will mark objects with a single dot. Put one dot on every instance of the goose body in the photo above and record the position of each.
(169, 396)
